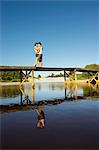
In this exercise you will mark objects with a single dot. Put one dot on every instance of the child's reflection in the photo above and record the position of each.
(41, 117)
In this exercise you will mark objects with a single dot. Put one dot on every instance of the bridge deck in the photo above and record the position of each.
(29, 68)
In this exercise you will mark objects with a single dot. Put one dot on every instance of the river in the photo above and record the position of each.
(51, 116)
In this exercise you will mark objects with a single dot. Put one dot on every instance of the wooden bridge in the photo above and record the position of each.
(29, 69)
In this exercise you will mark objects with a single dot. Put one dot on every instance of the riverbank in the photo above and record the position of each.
(42, 80)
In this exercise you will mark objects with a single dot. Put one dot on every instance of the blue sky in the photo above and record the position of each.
(69, 31)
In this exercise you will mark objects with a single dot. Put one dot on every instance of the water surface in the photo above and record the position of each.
(71, 117)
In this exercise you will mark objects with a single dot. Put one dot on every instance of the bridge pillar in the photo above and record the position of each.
(33, 86)
(64, 77)
(21, 76)
(76, 91)
(75, 76)
(98, 76)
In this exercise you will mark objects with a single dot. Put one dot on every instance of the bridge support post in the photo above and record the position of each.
(75, 76)
(20, 77)
(76, 91)
(64, 77)
(33, 86)
(98, 76)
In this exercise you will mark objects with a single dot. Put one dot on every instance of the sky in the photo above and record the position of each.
(68, 30)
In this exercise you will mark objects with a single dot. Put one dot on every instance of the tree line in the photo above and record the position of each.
(13, 76)
(81, 76)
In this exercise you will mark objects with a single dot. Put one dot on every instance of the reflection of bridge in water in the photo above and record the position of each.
(70, 93)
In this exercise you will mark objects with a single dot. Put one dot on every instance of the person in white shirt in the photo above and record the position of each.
(38, 53)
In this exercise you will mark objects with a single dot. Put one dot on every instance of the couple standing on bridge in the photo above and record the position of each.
(38, 48)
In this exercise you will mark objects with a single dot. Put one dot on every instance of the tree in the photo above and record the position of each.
(52, 75)
(92, 66)
(39, 76)
(9, 75)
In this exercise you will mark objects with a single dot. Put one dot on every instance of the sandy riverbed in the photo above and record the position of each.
(41, 80)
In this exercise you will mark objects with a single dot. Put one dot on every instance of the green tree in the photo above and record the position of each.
(39, 76)
(9, 75)
(92, 66)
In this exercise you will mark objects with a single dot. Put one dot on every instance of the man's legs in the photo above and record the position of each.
(40, 60)
(40, 64)
(36, 61)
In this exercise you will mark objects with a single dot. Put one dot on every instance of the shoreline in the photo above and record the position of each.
(43, 80)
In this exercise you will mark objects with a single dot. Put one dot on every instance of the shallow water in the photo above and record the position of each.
(72, 123)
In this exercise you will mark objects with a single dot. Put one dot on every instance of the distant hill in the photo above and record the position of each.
(92, 66)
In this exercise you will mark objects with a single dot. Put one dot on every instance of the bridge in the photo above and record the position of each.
(29, 69)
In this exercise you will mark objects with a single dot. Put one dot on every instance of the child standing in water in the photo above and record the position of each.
(38, 53)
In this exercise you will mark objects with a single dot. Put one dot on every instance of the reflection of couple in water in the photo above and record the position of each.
(26, 100)
(41, 117)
